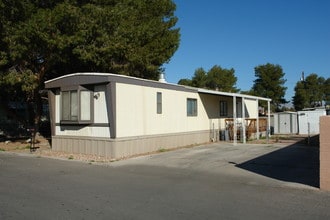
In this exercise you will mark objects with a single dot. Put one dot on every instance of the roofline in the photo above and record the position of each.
(76, 74)
(206, 91)
(85, 78)
(107, 77)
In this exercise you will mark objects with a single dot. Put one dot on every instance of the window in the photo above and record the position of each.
(239, 109)
(69, 106)
(85, 105)
(191, 107)
(159, 103)
(76, 106)
(223, 108)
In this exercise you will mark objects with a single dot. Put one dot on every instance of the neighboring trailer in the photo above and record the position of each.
(119, 116)
(309, 121)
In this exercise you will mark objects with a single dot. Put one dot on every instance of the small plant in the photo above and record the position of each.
(1, 149)
(162, 150)
(70, 157)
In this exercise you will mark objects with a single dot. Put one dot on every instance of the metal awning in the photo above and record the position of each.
(206, 91)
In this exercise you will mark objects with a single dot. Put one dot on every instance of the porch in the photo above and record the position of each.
(235, 117)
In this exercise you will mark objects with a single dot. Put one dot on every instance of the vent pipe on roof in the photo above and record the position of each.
(162, 78)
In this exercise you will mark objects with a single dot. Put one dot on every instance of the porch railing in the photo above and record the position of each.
(250, 127)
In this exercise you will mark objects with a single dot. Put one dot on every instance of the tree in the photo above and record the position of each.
(41, 40)
(216, 78)
(200, 78)
(269, 83)
(221, 79)
(185, 82)
(315, 87)
(310, 92)
(327, 91)
(300, 99)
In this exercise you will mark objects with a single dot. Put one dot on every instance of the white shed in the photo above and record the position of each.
(309, 121)
(285, 123)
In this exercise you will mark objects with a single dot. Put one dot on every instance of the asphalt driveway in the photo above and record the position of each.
(217, 181)
(282, 164)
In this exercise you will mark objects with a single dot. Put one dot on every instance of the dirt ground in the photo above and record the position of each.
(43, 148)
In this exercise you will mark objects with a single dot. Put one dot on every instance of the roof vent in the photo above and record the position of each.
(162, 78)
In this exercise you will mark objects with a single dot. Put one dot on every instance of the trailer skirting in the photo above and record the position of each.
(126, 147)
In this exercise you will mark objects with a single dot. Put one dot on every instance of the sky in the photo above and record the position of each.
(243, 34)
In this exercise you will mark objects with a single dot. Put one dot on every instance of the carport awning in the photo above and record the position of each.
(232, 94)
(243, 97)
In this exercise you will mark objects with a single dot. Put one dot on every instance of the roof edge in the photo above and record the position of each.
(206, 91)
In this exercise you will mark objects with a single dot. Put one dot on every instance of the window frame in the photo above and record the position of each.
(159, 103)
(78, 90)
(192, 107)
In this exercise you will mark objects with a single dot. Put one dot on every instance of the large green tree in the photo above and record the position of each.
(42, 39)
(222, 79)
(300, 99)
(199, 78)
(269, 83)
(310, 92)
(216, 78)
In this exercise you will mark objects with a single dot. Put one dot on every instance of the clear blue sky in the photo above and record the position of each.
(243, 34)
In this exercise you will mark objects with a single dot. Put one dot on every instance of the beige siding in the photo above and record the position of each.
(136, 110)
(251, 107)
(100, 105)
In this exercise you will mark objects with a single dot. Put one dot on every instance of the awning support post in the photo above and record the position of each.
(234, 120)
(243, 135)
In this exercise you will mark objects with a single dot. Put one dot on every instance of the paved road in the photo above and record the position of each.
(207, 182)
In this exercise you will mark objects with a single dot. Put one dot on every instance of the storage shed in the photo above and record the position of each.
(285, 123)
(118, 116)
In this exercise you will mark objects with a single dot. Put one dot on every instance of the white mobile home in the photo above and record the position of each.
(119, 116)
(309, 121)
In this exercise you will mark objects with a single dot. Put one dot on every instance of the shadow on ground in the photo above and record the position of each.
(298, 163)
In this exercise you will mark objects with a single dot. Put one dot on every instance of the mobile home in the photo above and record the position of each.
(119, 116)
